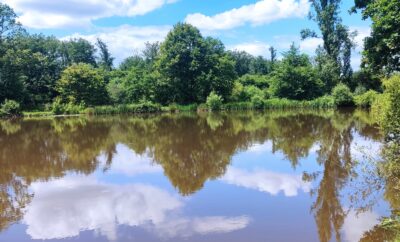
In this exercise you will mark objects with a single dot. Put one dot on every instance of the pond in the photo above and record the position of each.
(237, 176)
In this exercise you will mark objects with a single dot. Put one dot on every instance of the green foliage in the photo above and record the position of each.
(342, 95)
(105, 58)
(295, 78)
(235, 106)
(324, 102)
(143, 107)
(214, 101)
(243, 62)
(190, 67)
(10, 108)
(59, 107)
(366, 99)
(9, 26)
(259, 81)
(131, 86)
(173, 108)
(82, 83)
(257, 102)
(77, 51)
(386, 107)
(337, 37)
(366, 79)
(382, 48)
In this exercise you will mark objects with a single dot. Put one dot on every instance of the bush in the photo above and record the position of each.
(257, 102)
(365, 100)
(58, 107)
(10, 108)
(386, 108)
(238, 106)
(174, 108)
(342, 95)
(214, 101)
(143, 107)
(82, 83)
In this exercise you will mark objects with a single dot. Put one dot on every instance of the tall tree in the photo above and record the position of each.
(76, 51)
(336, 36)
(9, 25)
(272, 52)
(11, 83)
(382, 48)
(150, 53)
(190, 67)
(294, 77)
(242, 62)
(105, 58)
(83, 83)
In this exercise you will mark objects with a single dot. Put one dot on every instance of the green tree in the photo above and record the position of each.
(295, 77)
(150, 53)
(134, 85)
(82, 83)
(260, 66)
(342, 95)
(336, 36)
(132, 61)
(190, 67)
(9, 26)
(76, 51)
(243, 61)
(386, 108)
(382, 48)
(105, 58)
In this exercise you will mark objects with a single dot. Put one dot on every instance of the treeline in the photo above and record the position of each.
(44, 73)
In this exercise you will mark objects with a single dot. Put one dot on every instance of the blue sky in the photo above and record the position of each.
(125, 25)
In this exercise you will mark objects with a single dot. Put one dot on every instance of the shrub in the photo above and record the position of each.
(82, 83)
(257, 102)
(238, 106)
(365, 100)
(58, 107)
(386, 107)
(10, 108)
(173, 108)
(143, 107)
(214, 101)
(342, 95)
(360, 90)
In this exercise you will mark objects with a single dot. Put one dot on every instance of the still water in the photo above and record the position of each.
(248, 177)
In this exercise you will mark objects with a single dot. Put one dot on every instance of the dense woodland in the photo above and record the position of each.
(40, 72)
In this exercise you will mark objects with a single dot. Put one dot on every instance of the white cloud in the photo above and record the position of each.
(310, 45)
(266, 181)
(355, 225)
(73, 13)
(64, 208)
(185, 227)
(255, 48)
(261, 12)
(362, 33)
(124, 40)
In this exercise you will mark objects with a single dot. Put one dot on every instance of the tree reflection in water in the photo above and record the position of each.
(191, 148)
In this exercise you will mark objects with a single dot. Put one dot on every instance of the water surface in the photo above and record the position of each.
(246, 176)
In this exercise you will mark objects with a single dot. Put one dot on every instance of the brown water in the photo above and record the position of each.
(250, 177)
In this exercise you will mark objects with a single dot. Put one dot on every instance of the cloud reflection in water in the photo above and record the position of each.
(63, 208)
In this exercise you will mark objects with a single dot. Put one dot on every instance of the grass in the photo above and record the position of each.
(34, 114)
(325, 102)
(124, 109)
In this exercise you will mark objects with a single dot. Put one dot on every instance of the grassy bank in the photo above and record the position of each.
(149, 107)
